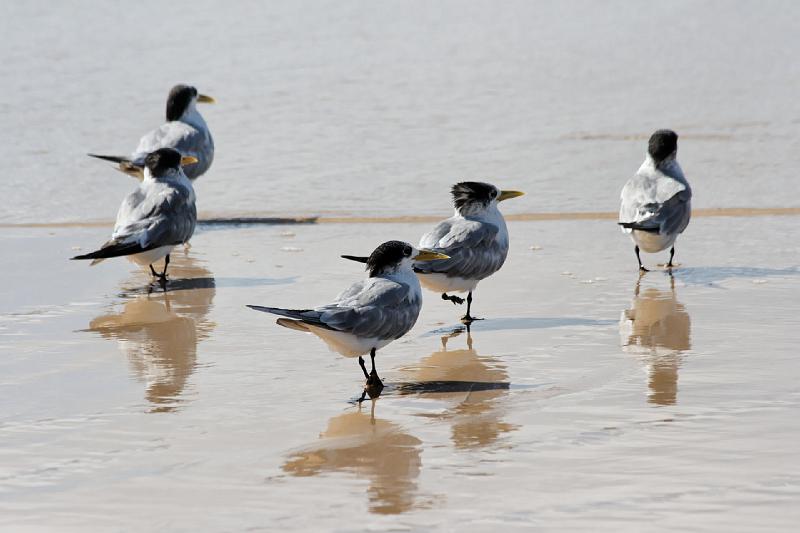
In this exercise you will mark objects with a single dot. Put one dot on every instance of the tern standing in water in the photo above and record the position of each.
(156, 217)
(370, 313)
(184, 131)
(475, 239)
(657, 201)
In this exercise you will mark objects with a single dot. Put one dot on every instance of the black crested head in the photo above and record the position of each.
(387, 255)
(469, 193)
(663, 143)
(162, 160)
(178, 100)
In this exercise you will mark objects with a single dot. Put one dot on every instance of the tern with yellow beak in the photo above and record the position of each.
(370, 313)
(185, 131)
(475, 238)
(156, 217)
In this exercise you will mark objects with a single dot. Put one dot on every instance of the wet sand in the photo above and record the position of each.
(588, 399)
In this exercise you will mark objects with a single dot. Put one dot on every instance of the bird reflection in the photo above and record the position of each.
(159, 331)
(658, 326)
(368, 447)
(474, 386)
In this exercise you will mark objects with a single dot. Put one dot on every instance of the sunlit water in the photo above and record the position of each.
(377, 108)
(589, 399)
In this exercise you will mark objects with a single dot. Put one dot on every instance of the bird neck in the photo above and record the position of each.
(193, 117)
(403, 273)
(668, 167)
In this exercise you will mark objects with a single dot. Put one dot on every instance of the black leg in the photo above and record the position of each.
(153, 271)
(454, 299)
(468, 318)
(641, 267)
(363, 366)
(166, 264)
(374, 385)
(671, 255)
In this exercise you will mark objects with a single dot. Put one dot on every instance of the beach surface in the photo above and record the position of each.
(589, 397)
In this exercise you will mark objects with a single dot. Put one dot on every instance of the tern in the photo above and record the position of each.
(657, 202)
(156, 217)
(370, 313)
(185, 131)
(475, 238)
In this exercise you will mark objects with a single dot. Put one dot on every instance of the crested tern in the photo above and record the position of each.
(185, 131)
(369, 314)
(657, 201)
(475, 238)
(156, 217)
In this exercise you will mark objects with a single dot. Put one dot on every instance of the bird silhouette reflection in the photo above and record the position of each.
(472, 385)
(658, 327)
(378, 450)
(159, 331)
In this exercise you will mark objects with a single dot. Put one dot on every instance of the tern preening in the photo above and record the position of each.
(185, 131)
(475, 238)
(369, 314)
(657, 201)
(156, 217)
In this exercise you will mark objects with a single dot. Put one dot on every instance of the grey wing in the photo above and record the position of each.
(642, 208)
(377, 308)
(674, 214)
(432, 239)
(162, 219)
(474, 252)
(184, 138)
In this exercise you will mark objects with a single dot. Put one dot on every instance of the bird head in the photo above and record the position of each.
(394, 255)
(663, 145)
(182, 99)
(475, 197)
(166, 161)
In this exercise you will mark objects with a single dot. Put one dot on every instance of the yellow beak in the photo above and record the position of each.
(188, 160)
(429, 255)
(204, 99)
(505, 195)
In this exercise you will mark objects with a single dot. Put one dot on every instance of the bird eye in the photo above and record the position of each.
(407, 251)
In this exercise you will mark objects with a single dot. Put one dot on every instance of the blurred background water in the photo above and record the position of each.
(373, 108)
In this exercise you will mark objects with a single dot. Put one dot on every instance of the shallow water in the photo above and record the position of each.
(377, 108)
(587, 399)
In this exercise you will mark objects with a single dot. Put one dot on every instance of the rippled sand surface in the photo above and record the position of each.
(588, 399)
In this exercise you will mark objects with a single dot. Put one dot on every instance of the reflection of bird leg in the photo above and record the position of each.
(467, 319)
(672, 282)
(455, 333)
(372, 413)
(166, 301)
(641, 266)
(469, 339)
(454, 299)
(638, 285)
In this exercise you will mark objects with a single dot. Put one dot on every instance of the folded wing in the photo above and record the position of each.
(474, 252)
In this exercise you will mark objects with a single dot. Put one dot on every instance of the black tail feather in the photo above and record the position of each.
(114, 250)
(309, 316)
(112, 158)
(639, 227)
(125, 165)
(356, 258)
